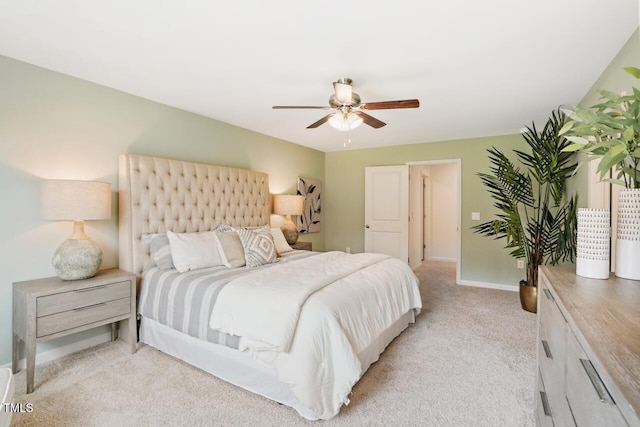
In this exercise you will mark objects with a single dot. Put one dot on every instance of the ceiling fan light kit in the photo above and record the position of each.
(345, 121)
(349, 108)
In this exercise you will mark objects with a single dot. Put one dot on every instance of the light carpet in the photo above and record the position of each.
(469, 360)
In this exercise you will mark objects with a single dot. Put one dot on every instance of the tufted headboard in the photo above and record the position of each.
(156, 195)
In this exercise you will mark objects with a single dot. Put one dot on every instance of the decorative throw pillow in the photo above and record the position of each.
(160, 250)
(279, 240)
(230, 249)
(191, 251)
(259, 248)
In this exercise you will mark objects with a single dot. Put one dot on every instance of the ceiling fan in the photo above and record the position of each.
(349, 110)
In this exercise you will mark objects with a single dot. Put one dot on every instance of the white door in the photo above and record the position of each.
(386, 211)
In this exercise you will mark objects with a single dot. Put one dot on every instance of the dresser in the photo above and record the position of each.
(49, 308)
(588, 350)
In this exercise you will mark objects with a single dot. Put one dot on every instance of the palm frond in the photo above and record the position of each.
(534, 218)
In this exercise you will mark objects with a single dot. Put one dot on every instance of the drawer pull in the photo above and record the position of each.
(545, 404)
(547, 350)
(91, 289)
(603, 394)
(89, 306)
(547, 292)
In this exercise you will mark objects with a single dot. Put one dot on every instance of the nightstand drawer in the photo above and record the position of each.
(59, 303)
(58, 322)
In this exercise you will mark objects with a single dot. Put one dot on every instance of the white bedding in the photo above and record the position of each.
(338, 316)
(263, 307)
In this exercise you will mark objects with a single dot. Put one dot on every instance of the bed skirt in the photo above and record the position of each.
(240, 368)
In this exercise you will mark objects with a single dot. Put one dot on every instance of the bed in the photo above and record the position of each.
(301, 330)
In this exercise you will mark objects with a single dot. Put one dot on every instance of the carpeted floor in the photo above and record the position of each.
(469, 360)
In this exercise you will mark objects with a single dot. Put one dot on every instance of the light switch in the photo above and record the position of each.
(475, 216)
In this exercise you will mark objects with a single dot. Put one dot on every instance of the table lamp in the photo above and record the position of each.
(287, 204)
(78, 257)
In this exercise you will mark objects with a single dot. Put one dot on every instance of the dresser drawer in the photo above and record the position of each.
(553, 326)
(58, 322)
(543, 410)
(62, 302)
(551, 356)
(587, 395)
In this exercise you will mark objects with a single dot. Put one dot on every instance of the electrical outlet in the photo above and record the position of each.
(521, 264)
(475, 216)
(348, 250)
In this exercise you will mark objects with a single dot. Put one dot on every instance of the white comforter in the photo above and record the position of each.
(310, 327)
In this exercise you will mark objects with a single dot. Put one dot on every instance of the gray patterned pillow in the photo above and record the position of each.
(259, 248)
(160, 250)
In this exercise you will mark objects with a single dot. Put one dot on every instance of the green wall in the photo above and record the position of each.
(57, 126)
(483, 259)
(614, 78)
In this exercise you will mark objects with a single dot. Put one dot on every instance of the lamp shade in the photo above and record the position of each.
(287, 204)
(75, 200)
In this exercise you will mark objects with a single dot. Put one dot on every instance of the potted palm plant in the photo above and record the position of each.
(536, 219)
(610, 131)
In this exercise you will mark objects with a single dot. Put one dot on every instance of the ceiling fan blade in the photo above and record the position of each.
(308, 107)
(388, 105)
(370, 120)
(319, 122)
(343, 92)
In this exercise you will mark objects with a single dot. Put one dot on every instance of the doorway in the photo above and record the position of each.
(435, 212)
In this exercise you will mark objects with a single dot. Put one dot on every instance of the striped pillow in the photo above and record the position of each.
(160, 250)
(259, 248)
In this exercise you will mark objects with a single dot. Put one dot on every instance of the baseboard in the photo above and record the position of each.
(490, 285)
(436, 258)
(65, 350)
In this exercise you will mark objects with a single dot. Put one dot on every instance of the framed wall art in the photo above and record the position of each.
(311, 190)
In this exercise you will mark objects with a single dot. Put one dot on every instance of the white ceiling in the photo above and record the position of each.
(479, 68)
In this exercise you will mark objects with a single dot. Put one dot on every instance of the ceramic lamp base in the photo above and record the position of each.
(78, 257)
(290, 232)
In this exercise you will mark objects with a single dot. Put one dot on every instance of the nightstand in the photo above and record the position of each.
(49, 308)
(300, 245)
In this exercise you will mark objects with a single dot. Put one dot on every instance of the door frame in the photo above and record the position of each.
(458, 163)
(426, 230)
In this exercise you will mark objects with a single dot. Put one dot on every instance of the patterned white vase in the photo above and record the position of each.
(628, 234)
(594, 230)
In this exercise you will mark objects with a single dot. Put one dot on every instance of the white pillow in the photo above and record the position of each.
(191, 251)
(281, 243)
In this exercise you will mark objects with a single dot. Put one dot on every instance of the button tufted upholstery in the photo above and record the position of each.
(158, 194)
